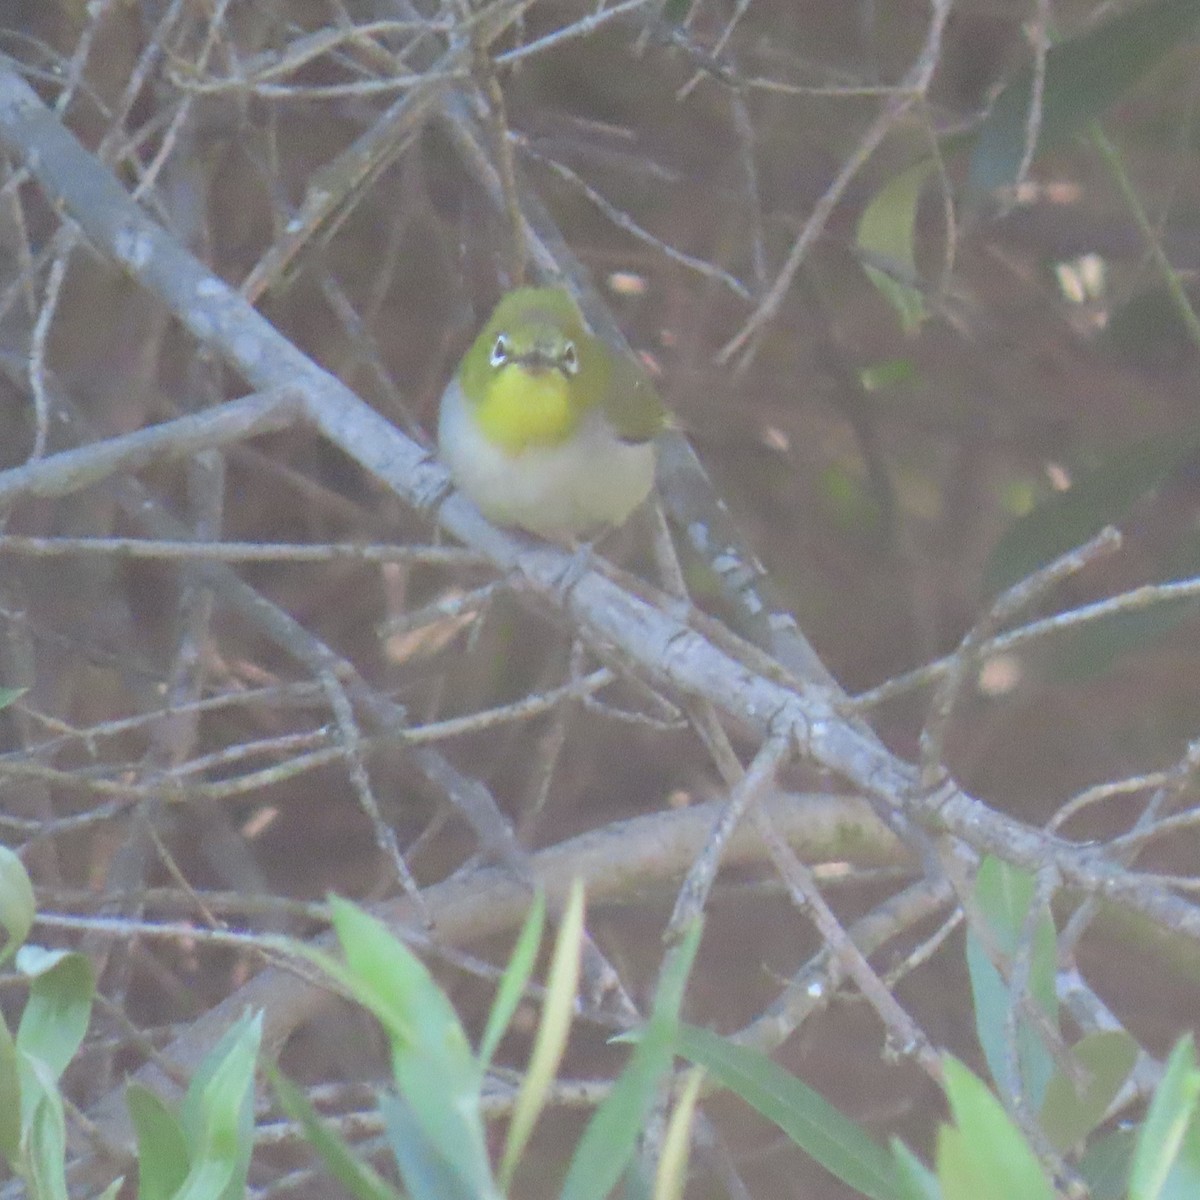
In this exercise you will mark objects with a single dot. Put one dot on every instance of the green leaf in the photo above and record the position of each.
(1183, 1182)
(1002, 895)
(162, 1148)
(1105, 1164)
(512, 982)
(209, 1178)
(44, 1138)
(10, 1097)
(886, 232)
(1084, 77)
(59, 1008)
(217, 1115)
(985, 1157)
(819, 1129)
(359, 1178)
(431, 1057)
(888, 374)
(562, 986)
(671, 1176)
(427, 1173)
(17, 905)
(956, 1173)
(913, 1178)
(608, 1142)
(1172, 1108)
(1098, 496)
(1067, 1117)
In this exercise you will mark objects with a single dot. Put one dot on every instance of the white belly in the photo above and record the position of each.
(565, 491)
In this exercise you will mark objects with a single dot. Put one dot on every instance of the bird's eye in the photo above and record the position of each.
(570, 359)
(500, 351)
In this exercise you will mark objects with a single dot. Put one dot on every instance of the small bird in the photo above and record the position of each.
(545, 426)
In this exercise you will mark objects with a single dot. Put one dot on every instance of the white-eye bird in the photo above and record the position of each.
(544, 426)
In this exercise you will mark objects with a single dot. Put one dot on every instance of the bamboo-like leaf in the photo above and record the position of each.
(17, 905)
(562, 987)
(512, 982)
(819, 1129)
(671, 1176)
(1172, 1109)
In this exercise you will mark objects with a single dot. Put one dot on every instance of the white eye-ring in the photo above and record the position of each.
(500, 351)
(570, 359)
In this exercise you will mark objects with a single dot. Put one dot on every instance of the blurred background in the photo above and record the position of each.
(984, 355)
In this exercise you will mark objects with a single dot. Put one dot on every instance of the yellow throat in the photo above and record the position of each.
(543, 426)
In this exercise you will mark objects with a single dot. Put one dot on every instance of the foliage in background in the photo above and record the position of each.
(201, 1153)
(1049, 1101)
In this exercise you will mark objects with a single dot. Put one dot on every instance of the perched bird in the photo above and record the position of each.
(545, 426)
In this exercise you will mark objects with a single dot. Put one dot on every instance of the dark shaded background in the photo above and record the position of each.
(877, 510)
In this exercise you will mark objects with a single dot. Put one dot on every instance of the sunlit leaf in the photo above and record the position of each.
(914, 1180)
(59, 1007)
(432, 1062)
(985, 1156)
(1183, 1180)
(671, 1176)
(512, 983)
(562, 988)
(162, 1148)
(217, 1115)
(44, 1138)
(1172, 1108)
(886, 232)
(17, 905)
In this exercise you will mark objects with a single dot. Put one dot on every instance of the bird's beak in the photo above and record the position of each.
(538, 362)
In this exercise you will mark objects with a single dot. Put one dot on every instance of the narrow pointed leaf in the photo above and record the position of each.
(819, 1129)
(914, 1179)
(427, 1173)
(59, 1007)
(432, 1062)
(886, 231)
(44, 1139)
(17, 905)
(217, 1116)
(357, 1176)
(989, 1159)
(513, 981)
(162, 1149)
(671, 1176)
(608, 1142)
(1105, 1164)
(1003, 894)
(1068, 1116)
(1172, 1109)
(562, 987)
(10, 1097)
